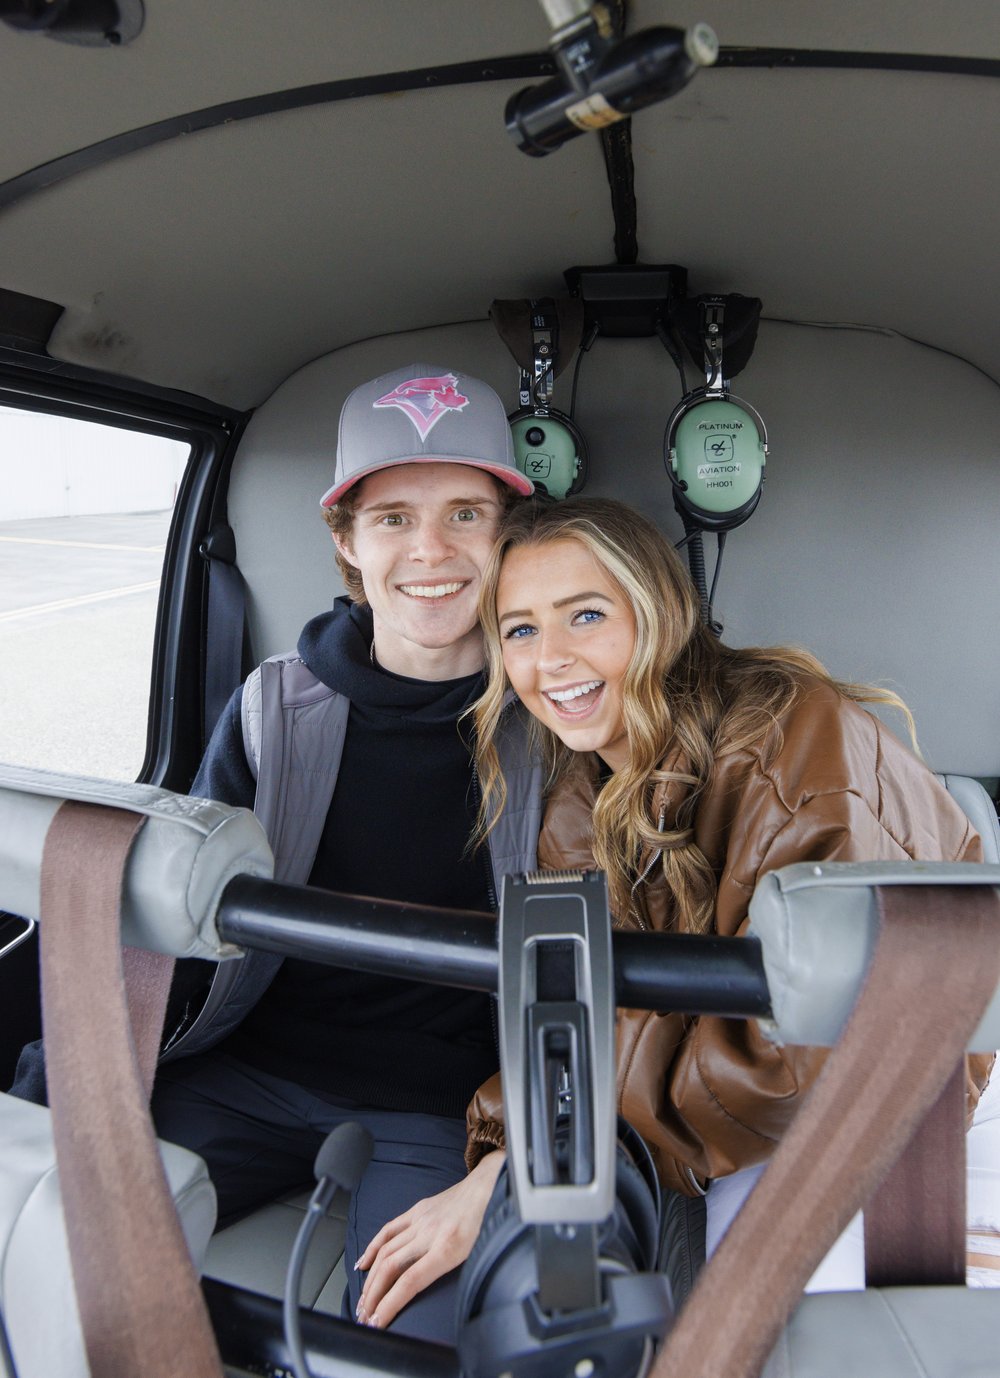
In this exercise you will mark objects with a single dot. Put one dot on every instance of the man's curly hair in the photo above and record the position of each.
(340, 519)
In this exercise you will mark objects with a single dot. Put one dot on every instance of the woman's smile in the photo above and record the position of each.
(578, 701)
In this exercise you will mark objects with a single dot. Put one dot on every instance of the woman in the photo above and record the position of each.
(686, 769)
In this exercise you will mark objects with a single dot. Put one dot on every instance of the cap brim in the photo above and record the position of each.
(512, 477)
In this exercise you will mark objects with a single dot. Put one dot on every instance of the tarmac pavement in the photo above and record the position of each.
(78, 600)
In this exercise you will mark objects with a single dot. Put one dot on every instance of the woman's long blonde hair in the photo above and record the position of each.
(683, 690)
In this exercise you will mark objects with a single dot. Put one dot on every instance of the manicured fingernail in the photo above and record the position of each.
(359, 1312)
(373, 1321)
(357, 1264)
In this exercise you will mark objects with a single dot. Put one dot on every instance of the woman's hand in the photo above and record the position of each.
(427, 1241)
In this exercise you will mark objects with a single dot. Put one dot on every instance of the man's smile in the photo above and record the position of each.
(433, 590)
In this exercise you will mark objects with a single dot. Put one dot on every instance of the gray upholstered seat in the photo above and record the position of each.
(179, 867)
(37, 1300)
(254, 1253)
(177, 871)
(892, 1332)
(816, 924)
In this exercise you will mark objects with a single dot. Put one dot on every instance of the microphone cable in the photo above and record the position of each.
(340, 1165)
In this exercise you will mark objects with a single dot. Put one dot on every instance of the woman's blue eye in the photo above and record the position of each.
(589, 615)
(518, 632)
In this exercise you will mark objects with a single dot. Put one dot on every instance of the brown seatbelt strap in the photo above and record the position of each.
(147, 978)
(915, 1221)
(139, 1298)
(936, 965)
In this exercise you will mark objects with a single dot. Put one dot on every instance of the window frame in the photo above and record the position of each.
(175, 731)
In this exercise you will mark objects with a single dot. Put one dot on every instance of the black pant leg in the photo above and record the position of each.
(415, 1156)
(252, 1130)
(259, 1136)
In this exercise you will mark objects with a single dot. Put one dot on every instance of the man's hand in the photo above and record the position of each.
(429, 1240)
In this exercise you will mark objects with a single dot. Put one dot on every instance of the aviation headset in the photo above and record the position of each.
(501, 1327)
(542, 334)
(562, 1276)
(715, 444)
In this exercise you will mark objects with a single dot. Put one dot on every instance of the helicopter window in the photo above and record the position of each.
(84, 514)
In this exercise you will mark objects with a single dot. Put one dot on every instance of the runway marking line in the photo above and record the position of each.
(60, 603)
(83, 545)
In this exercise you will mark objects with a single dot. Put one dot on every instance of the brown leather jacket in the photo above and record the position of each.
(712, 1095)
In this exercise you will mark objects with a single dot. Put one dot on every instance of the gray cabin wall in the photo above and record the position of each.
(873, 546)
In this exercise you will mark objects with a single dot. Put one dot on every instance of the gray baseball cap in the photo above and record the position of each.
(423, 413)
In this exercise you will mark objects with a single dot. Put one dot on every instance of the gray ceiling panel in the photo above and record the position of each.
(190, 55)
(219, 261)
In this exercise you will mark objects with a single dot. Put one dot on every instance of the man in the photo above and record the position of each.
(353, 756)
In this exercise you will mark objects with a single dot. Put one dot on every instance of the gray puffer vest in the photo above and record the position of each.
(293, 737)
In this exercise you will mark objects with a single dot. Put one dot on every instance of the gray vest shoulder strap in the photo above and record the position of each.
(293, 735)
(250, 715)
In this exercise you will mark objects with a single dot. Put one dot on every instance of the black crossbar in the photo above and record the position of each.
(683, 973)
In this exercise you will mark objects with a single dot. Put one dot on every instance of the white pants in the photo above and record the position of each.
(982, 1149)
(843, 1268)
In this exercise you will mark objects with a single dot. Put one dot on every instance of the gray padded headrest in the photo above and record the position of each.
(180, 864)
(979, 809)
(818, 925)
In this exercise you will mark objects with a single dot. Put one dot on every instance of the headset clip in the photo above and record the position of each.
(537, 387)
(713, 317)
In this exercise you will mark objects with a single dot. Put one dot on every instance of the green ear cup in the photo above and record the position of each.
(548, 449)
(716, 452)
